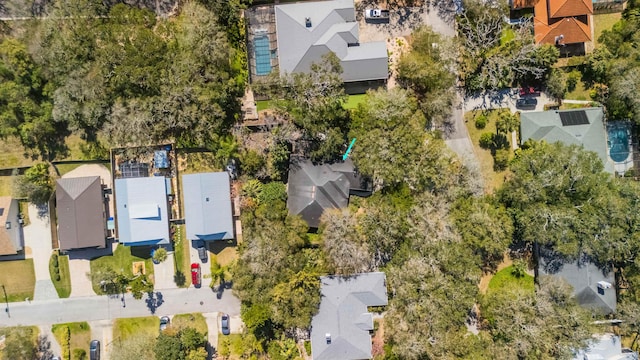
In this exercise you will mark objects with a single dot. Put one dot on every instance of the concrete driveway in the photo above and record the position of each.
(505, 98)
(102, 330)
(205, 268)
(163, 272)
(37, 237)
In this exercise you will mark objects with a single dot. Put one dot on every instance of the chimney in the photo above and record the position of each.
(307, 22)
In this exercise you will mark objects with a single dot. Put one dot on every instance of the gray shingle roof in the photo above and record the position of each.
(547, 126)
(344, 318)
(314, 188)
(333, 28)
(80, 212)
(207, 206)
(141, 206)
(583, 275)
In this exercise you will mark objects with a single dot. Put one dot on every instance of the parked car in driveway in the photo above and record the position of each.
(195, 275)
(202, 252)
(94, 350)
(225, 324)
(164, 322)
(529, 90)
(526, 103)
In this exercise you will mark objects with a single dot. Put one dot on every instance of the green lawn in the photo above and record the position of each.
(80, 336)
(123, 328)
(182, 258)
(504, 279)
(30, 331)
(581, 92)
(6, 185)
(18, 278)
(603, 22)
(195, 321)
(122, 262)
(353, 101)
(264, 105)
(65, 168)
(492, 179)
(63, 286)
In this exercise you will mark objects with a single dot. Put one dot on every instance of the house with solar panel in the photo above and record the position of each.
(583, 127)
(80, 213)
(288, 38)
(207, 206)
(141, 210)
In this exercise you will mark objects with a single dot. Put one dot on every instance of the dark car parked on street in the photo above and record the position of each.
(94, 350)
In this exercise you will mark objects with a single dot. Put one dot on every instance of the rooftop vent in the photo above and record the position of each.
(328, 337)
(307, 22)
(604, 285)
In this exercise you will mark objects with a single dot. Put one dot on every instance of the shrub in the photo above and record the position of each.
(251, 163)
(501, 159)
(271, 192)
(79, 354)
(66, 341)
(481, 122)
(486, 140)
(160, 255)
(519, 269)
(55, 260)
(57, 277)
(572, 79)
(307, 347)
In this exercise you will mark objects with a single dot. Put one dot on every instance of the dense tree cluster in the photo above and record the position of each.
(614, 68)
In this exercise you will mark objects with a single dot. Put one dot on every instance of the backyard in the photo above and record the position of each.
(351, 103)
(122, 262)
(492, 179)
(78, 340)
(603, 22)
(18, 279)
(506, 279)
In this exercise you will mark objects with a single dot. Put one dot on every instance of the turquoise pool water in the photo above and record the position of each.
(618, 143)
(263, 55)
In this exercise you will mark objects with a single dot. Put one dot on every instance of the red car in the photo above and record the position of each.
(195, 275)
(529, 90)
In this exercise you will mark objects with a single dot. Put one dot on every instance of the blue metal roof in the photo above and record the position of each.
(207, 206)
(141, 206)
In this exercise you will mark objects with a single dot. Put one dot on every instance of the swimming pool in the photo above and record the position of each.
(618, 143)
(262, 54)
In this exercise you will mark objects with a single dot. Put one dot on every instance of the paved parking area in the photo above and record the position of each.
(205, 268)
(102, 330)
(37, 237)
(163, 273)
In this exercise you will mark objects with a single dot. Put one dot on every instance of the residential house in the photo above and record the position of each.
(593, 285)
(207, 206)
(565, 23)
(312, 189)
(80, 213)
(308, 30)
(11, 242)
(606, 347)
(141, 211)
(583, 127)
(341, 330)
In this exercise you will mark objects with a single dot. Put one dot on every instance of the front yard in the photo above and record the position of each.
(124, 328)
(77, 341)
(195, 321)
(122, 262)
(59, 271)
(492, 179)
(18, 278)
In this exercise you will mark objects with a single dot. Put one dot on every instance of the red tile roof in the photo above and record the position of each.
(574, 29)
(565, 8)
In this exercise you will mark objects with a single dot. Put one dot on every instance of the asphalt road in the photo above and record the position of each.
(95, 308)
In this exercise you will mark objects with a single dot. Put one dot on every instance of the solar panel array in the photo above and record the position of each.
(571, 118)
(134, 170)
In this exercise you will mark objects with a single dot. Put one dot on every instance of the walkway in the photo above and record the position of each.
(37, 237)
(45, 330)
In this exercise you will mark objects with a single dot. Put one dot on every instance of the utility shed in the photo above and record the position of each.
(340, 329)
(80, 212)
(207, 206)
(141, 206)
